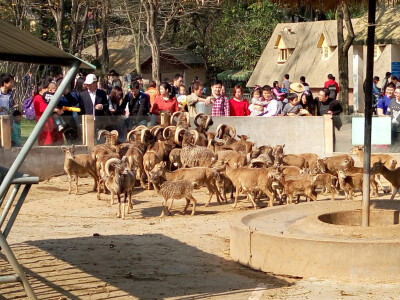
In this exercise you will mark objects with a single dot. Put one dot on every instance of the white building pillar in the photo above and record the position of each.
(358, 78)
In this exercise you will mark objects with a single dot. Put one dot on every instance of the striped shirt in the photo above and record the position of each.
(220, 107)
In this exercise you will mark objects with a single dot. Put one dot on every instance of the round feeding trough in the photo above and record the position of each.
(322, 240)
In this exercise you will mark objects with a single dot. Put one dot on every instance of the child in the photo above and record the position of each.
(258, 104)
(16, 129)
(58, 120)
(293, 108)
(181, 98)
(283, 89)
(273, 107)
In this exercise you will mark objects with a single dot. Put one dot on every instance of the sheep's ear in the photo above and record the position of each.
(164, 164)
(64, 149)
(283, 146)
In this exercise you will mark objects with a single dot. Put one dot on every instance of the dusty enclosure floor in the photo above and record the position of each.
(74, 247)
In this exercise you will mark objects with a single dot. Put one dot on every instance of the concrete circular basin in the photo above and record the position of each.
(322, 240)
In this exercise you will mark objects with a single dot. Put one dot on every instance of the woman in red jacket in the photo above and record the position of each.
(165, 101)
(49, 134)
(238, 106)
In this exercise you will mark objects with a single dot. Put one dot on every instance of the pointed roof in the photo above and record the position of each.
(305, 58)
(122, 54)
(387, 29)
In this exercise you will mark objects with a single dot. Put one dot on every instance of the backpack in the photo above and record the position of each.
(332, 91)
(27, 109)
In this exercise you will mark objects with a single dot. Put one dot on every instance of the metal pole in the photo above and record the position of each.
(38, 128)
(368, 112)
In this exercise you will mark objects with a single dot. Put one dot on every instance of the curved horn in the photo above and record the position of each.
(177, 132)
(218, 128)
(166, 130)
(154, 129)
(142, 134)
(173, 116)
(233, 130)
(102, 132)
(139, 128)
(128, 136)
(187, 118)
(196, 135)
(114, 132)
(209, 122)
(157, 131)
(200, 115)
(109, 162)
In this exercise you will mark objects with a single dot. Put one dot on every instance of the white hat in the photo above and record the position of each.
(90, 78)
(297, 87)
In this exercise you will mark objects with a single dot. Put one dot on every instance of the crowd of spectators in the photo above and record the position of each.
(137, 106)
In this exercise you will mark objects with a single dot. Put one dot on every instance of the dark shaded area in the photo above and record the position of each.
(145, 266)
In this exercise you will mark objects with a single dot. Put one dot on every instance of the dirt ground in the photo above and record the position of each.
(74, 247)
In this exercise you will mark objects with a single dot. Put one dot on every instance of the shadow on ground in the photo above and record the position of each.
(149, 266)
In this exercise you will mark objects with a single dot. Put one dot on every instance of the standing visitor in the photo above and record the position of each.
(327, 105)
(49, 134)
(383, 102)
(304, 83)
(385, 81)
(181, 97)
(219, 100)
(286, 82)
(165, 101)
(277, 91)
(393, 111)
(237, 105)
(138, 105)
(195, 97)
(308, 104)
(272, 105)
(6, 96)
(332, 86)
(16, 129)
(176, 83)
(93, 100)
(152, 92)
(258, 104)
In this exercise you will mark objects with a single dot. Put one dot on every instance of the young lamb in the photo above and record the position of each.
(80, 164)
(350, 182)
(175, 190)
(296, 187)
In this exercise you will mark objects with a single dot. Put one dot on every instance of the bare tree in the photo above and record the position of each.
(57, 9)
(105, 13)
(343, 15)
(78, 24)
(133, 11)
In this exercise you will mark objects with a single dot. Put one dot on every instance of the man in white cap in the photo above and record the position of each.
(93, 100)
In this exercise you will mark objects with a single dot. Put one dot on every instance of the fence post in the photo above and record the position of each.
(5, 129)
(328, 133)
(88, 134)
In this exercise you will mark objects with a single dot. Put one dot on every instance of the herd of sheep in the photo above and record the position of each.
(176, 161)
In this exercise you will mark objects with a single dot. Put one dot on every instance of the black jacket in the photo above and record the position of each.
(87, 106)
(139, 105)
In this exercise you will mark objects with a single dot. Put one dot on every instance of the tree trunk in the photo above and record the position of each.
(136, 30)
(57, 11)
(151, 8)
(104, 32)
(343, 16)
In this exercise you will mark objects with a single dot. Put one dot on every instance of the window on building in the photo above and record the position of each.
(283, 55)
(378, 51)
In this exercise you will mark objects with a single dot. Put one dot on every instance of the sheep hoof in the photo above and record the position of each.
(234, 205)
(207, 204)
(118, 216)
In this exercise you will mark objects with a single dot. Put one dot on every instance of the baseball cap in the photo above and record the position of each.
(90, 78)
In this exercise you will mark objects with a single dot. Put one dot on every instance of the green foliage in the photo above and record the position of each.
(232, 37)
